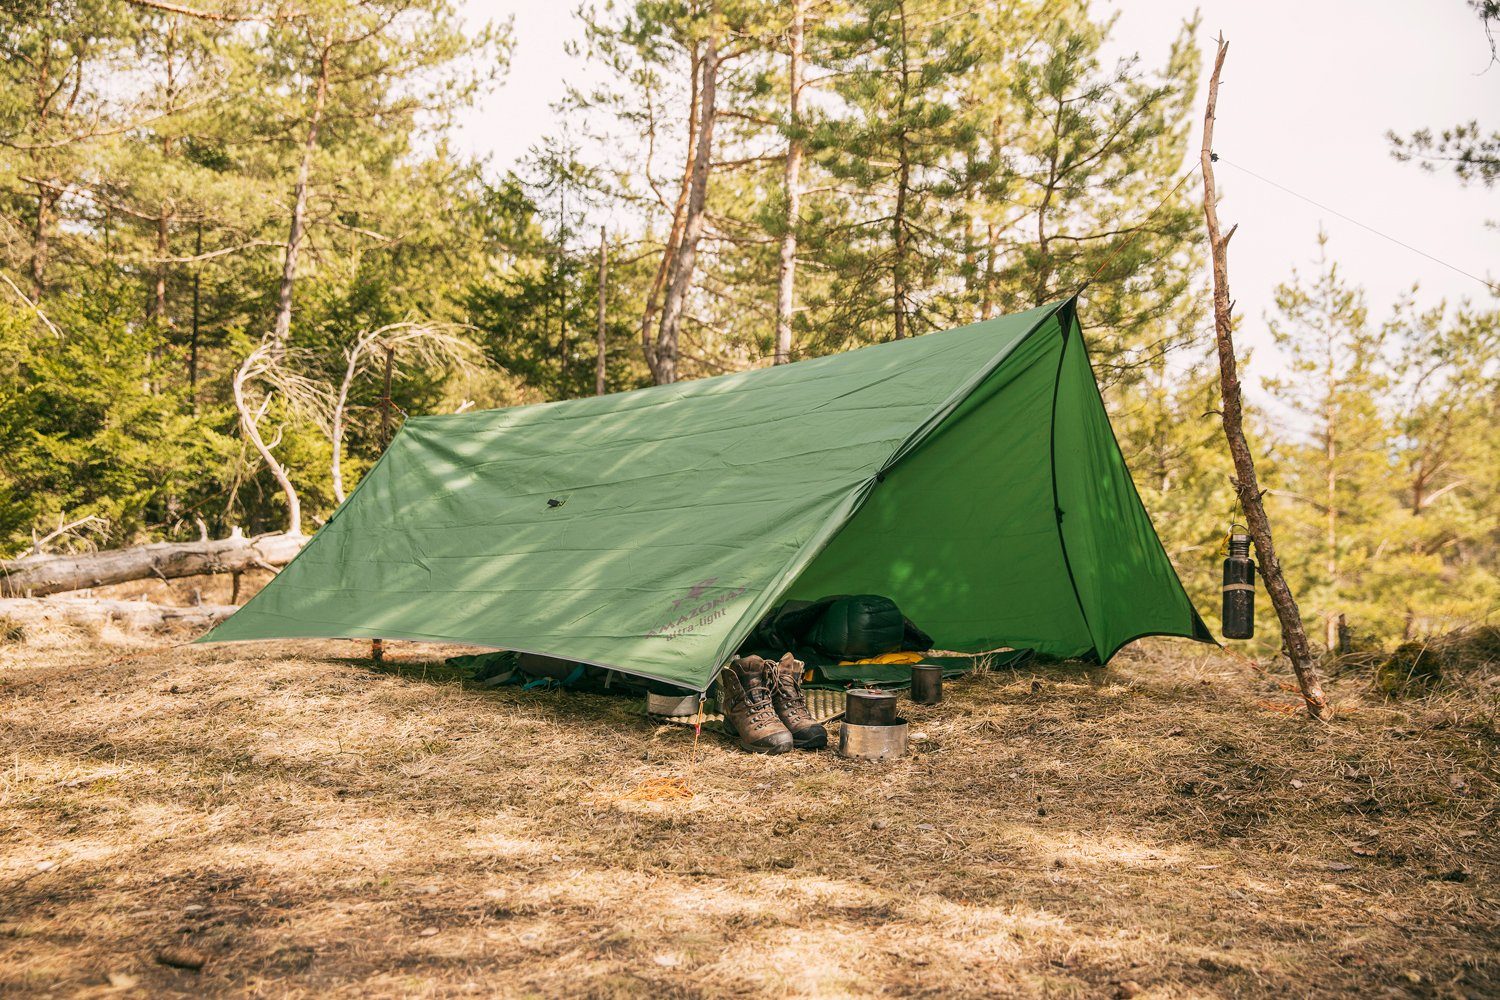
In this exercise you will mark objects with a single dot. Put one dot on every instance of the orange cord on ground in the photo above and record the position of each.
(670, 787)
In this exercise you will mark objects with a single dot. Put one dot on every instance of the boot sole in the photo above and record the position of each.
(818, 742)
(771, 748)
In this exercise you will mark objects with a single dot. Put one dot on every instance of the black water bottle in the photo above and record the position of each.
(1239, 588)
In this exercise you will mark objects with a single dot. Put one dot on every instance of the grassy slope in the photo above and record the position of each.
(316, 828)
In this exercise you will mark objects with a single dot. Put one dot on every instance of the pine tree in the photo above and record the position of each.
(1072, 131)
(1336, 479)
(1440, 562)
(894, 144)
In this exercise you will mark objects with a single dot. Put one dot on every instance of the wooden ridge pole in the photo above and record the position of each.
(1294, 636)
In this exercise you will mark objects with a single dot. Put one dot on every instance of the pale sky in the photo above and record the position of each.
(1310, 88)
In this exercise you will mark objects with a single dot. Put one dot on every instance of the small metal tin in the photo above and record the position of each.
(869, 707)
(673, 706)
(926, 683)
(874, 742)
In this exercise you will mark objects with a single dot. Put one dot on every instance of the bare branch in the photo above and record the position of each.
(427, 344)
(33, 306)
(208, 15)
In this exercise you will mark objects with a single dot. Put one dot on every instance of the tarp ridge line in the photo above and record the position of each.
(1199, 628)
(803, 558)
(1067, 321)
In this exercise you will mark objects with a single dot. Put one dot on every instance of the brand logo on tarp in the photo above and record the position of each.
(694, 611)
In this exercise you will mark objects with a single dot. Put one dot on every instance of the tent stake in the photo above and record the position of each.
(1294, 636)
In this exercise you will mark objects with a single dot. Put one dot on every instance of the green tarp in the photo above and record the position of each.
(970, 475)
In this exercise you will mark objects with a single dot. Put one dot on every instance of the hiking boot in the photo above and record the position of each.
(749, 716)
(791, 704)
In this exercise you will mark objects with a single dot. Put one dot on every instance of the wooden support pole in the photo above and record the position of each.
(385, 397)
(1294, 636)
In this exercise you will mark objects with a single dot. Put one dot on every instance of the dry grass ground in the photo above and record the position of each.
(313, 827)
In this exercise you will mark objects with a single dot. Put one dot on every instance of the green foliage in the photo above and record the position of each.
(1468, 149)
(150, 161)
(1413, 665)
(536, 312)
(1418, 666)
(1390, 500)
(896, 143)
(90, 432)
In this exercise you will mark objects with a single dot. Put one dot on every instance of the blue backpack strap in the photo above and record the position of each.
(548, 683)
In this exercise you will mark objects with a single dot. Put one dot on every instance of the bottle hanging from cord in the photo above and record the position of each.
(1239, 586)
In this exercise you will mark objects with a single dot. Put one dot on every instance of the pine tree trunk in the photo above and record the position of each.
(194, 333)
(41, 241)
(903, 186)
(681, 279)
(601, 361)
(786, 302)
(1331, 514)
(679, 211)
(163, 245)
(283, 325)
(164, 219)
(987, 304)
(45, 196)
(1294, 636)
(991, 238)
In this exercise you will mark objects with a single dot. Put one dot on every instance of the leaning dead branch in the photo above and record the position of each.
(73, 529)
(33, 306)
(1246, 485)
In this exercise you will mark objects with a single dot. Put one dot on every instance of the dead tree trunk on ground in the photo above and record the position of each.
(1246, 485)
(89, 611)
(40, 575)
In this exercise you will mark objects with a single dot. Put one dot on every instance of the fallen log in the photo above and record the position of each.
(42, 575)
(32, 612)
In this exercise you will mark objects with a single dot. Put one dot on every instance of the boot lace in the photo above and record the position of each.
(785, 684)
(754, 694)
(758, 701)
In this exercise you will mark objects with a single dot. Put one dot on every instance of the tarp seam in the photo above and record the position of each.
(1199, 627)
(805, 556)
(1066, 321)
